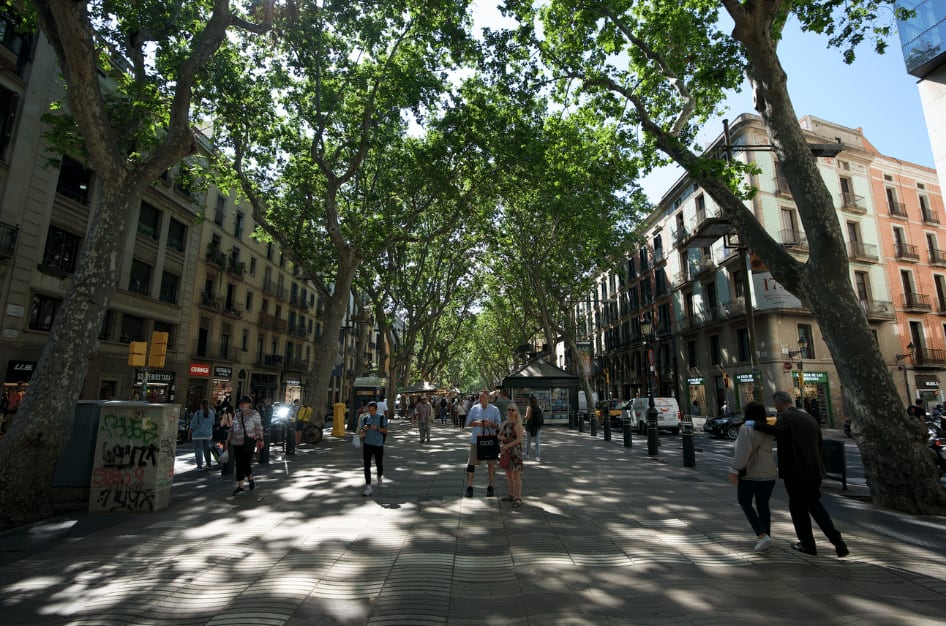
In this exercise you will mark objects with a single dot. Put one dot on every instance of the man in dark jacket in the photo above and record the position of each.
(801, 469)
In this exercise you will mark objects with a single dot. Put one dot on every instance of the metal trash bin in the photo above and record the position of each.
(835, 463)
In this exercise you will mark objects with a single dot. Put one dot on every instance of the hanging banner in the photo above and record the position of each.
(770, 294)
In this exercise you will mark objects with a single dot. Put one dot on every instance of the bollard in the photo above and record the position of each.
(593, 423)
(689, 453)
(607, 429)
(628, 442)
(652, 440)
(581, 423)
(571, 421)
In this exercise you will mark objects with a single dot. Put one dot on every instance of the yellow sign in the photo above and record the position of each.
(136, 353)
(159, 349)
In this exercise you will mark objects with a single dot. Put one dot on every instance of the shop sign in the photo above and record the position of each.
(158, 376)
(695, 381)
(200, 370)
(745, 378)
(926, 381)
(820, 378)
(225, 373)
(19, 371)
(293, 382)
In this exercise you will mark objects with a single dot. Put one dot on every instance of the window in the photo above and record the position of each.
(804, 334)
(74, 180)
(742, 339)
(62, 248)
(715, 352)
(149, 221)
(700, 208)
(43, 312)
(169, 283)
(895, 207)
(108, 322)
(249, 302)
(8, 109)
(139, 281)
(862, 286)
(133, 329)
(177, 235)
(252, 266)
(163, 327)
(12, 36)
(739, 283)
(219, 212)
(940, 292)
(691, 354)
(240, 224)
(245, 346)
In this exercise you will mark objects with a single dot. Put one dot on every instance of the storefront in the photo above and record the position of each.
(264, 386)
(814, 395)
(160, 387)
(14, 387)
(927, 389)
(696, 393)
(221, 384)
(745, 389)
(293, 389)
(555, 390)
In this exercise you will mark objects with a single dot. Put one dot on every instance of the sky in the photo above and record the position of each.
(875, 93)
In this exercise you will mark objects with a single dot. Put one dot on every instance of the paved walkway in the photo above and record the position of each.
(606, 536)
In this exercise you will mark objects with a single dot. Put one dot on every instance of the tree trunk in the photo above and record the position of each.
(43, 424)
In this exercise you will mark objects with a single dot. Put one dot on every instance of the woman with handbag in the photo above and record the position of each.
(510, 453)
(753, 471)
(246, 435)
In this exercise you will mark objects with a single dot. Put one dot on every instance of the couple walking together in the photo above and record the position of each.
(753, 470)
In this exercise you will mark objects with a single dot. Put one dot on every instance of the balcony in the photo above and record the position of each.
(273, 360)
(852, 203)
(897, 209)
(8, 235)
(210, 301)
(929, 217)
(917, 302)
(706, 229)
(929, 357)
(235, 267)
(865, 252)
(937, 257)
(705, 264)
(269, 287)
(216, 258)
(781, 186)
(271, 322)
(906, 252)
(233, 310)
(214, 351)
(878, 309)
(298, 330)
(297, 365)
(793, 239)
(679, 235)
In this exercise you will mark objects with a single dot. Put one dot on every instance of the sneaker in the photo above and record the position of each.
(538, 460)
(764, 543)
(800, 547)
(840, 548)
(252, 484)
(490, 492)
(238, 491)
(367, 491)
(469, 492)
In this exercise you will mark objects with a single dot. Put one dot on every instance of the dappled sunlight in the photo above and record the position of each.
(604, 534)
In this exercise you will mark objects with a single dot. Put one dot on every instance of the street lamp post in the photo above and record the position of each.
(800, 353)
(901, 363)
(647, 327)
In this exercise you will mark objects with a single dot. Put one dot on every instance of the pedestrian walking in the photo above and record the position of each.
(800, 467)
(201, 430)
(461, 412)
(425, 414)
(246, 435)
(534, 422)
(373, 427)
(753, 472)
(483, 418)
(510, 449)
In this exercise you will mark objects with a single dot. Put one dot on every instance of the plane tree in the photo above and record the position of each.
(315, 124)
(129, 71)
(661, 70)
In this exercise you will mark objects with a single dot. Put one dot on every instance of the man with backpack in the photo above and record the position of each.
(534, 422)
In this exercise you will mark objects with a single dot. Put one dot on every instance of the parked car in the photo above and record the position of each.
(616, 408)
(728, 425)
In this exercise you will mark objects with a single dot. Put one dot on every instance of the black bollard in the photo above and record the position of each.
(581, 423)
(689, 452)
(652, 440)
(571, 421)
(593, 422)
(607, 429)
(628, 442)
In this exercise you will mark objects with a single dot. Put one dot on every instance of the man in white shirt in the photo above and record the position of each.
(484, 418)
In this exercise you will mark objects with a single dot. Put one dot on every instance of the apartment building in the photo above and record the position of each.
(240, 318)
(710, 303)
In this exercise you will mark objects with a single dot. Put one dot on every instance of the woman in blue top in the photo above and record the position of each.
(372, 431)
(201, 429)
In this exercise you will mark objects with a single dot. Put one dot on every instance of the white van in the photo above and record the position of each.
(583, 403)
(668, 414)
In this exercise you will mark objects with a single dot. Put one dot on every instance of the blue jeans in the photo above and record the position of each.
(537, 438)
(761, 490)
(201, 451)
